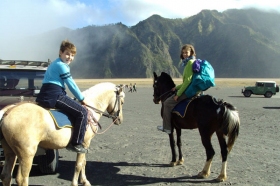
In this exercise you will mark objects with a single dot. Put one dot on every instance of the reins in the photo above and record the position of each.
(91, 125)
(168, 92)
(108, 115)
(101, 112)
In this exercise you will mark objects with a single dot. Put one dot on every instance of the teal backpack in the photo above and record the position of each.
(203, 77)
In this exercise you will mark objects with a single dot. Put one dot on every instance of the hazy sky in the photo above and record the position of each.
(22, 17)
(19, 18)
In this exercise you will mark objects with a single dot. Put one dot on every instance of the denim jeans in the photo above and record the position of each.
(78, 112)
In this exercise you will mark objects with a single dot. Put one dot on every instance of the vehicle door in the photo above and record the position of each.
(270, 87)
(260, 88)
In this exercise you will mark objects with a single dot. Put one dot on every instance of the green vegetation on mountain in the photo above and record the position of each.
(238, 43)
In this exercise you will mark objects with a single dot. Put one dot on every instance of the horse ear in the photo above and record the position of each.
(155, 75)
(119, 89)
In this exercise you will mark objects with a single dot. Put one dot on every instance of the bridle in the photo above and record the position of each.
(117, 102)
(169, 93)
(115, 117)
(109, 114)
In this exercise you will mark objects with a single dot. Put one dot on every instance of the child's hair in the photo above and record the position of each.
(67, 45)
(188, 47)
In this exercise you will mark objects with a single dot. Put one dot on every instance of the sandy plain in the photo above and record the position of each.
(147, 82)
(135, 153)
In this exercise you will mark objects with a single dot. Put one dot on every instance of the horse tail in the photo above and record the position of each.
(4, 110)
(2, 114)
(230, 124)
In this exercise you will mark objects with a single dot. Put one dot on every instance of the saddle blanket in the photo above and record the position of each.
(181, 108)
(61, 120)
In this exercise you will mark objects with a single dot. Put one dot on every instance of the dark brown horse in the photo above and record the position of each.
(209, 116)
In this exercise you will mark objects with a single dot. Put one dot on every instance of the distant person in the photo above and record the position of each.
(188, 57)
(134, 88)
(53, 94)
(130, 88)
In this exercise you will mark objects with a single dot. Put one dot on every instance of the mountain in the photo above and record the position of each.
(238, 43)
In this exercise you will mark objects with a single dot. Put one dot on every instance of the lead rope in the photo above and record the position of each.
(91, 120)
(91, 125)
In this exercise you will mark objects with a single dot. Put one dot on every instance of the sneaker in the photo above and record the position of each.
(163, 130)
(76, 148)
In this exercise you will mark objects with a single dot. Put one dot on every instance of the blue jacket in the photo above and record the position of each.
(56, 76)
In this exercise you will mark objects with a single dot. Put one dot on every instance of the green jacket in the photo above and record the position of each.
(187, 78)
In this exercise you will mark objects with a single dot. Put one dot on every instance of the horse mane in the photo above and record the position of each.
(100, 88)
(166, 78)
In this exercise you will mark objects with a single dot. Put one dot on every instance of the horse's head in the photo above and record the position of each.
(162, 87)
(115, 106)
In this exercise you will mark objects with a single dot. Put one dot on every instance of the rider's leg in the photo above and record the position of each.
(76, 110)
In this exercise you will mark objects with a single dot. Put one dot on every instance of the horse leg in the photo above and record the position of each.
(24, 167)
(83, 178)
(206, 141)
(80, 169)
(25, 152)
(179, 145)
(9, 165)
(224, 151)
(173, 151)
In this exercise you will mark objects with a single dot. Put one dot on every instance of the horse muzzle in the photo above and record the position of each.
(156, 101)
(117, 120)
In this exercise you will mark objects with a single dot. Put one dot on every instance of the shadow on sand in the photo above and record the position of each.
(106, 173)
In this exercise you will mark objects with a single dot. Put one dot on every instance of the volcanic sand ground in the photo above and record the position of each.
(135, 153)
(225, 82)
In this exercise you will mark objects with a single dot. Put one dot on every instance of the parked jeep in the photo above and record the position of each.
(266, 88)
(21, 81)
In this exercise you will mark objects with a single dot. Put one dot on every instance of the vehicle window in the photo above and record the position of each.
(259, 84)
(20, 80)
(270, 85)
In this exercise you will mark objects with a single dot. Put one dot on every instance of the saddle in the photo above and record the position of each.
(181, 108)
(62, 120)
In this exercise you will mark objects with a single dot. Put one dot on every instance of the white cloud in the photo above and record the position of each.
(27, 17)
(19, 18)
(30, 17)
(137, 10)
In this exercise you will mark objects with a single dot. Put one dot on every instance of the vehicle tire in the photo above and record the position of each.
(48, 163)
(268, 94)
(247, 93)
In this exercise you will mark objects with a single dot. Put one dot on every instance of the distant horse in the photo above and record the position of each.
(206, 114)
(26, 126)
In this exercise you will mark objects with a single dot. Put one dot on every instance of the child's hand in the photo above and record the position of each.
(85, 101)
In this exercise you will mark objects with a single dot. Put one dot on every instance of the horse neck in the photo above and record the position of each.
(101, 99)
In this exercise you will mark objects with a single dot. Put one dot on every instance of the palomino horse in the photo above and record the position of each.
(26, 126)
(206, 114)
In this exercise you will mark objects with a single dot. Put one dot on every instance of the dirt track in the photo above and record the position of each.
(135, 153)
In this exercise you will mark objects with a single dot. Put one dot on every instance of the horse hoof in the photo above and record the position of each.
(172, 164)
(203, 175)
(221, 178)
(180, 162)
